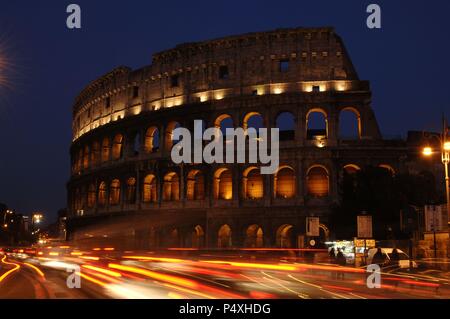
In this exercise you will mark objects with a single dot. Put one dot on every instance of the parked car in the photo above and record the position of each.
(403, 261)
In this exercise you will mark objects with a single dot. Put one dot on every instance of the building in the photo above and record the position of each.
(125, 186)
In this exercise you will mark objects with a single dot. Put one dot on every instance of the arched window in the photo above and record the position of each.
(95, 153)
(198, 237)
(285, 236)
(349, 124)
(91, 196)
(224, 237)
(150, 191)
(285, 122)
(171, 187)
(253, 119)
(169, 135)
(86, 156)
(316, 124)
(131, 190)
(388, 167)
(117, 149)
(351, 168)
(284, 183)
(102, 194)
(114, 192)
(151, 142)
(195, 185)
(223, 122)
(254, 237)
(105, 149)
(253, 184)
(223, 184)
(317, 181)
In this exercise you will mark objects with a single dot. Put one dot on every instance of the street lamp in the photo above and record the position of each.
(445, 157)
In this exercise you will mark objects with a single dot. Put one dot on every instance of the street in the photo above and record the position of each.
(106, 273)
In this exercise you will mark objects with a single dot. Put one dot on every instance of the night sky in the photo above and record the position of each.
(407, 62)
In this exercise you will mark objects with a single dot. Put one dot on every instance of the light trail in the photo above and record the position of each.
(157, 276)
(252, 265)
(103, 271)
(167, 260)
(93, 280)
(9, 272)
(190, 291)
(36, 269)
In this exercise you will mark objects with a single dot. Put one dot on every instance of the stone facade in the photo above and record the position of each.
(123, 176)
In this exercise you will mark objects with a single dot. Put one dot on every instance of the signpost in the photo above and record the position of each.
(364, 226)
(364, 231)
(312, 227)
(434, 216)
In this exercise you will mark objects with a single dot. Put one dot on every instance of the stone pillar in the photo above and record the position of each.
(332, 127)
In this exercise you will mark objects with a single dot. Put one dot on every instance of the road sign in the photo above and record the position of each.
(364, 226)
(312, 226)
(435, 215)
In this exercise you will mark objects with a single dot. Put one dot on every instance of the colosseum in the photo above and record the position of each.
(302, 81)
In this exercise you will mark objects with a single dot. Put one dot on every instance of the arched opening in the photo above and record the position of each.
(117, 148)
(105, 149)
(169, 134)
(254, 237)
(324, 233)
(224, 237)
(150, 190)
(349, 124)
(171, 187)
(388, 167)
(195, 185)
(91, 196)
(253, 119)
(131, 190)
(316, 125)
(198, 237)
(151, 142)
(102, 194)
(114, 192)
(286, 236)
(95, 153)
(285, 122)
(317, 181)
(223, 184)
(223, 122)
(284, 183)
(253, 184)
(351, 168)
(86, 157)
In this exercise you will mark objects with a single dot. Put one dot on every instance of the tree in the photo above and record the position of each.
(378, 192)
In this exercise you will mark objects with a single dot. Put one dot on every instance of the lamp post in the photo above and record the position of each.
(444, 142)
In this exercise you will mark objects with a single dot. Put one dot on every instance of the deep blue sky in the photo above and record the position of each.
(407, 62)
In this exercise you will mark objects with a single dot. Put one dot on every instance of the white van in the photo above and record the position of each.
(387, 253)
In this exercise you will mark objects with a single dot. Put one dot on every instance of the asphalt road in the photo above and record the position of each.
(150, 275)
